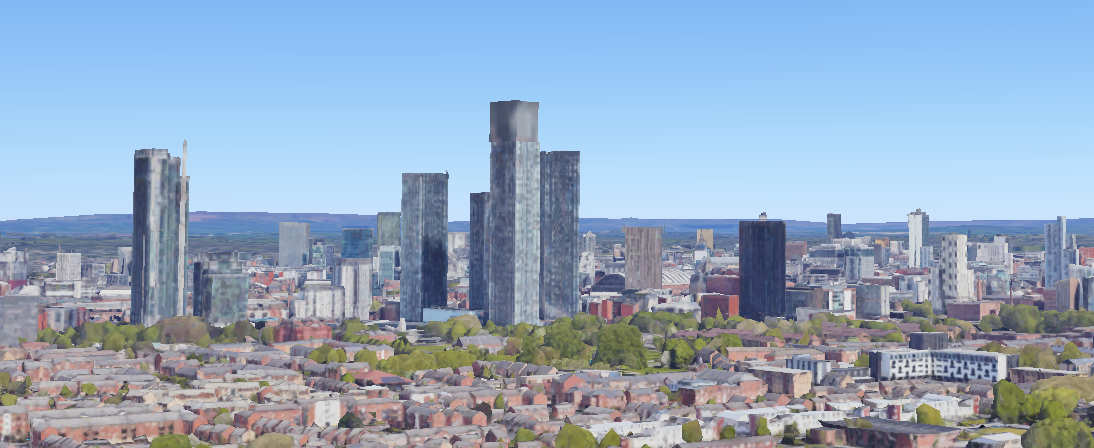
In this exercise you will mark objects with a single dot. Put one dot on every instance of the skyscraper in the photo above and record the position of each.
(835, 226)
(387, 228)
(918, 229)
(1055, 251)
(642, 268)
(763, 268)
(479, 258)
(560, 198)
(514, 235)
(356, 242)
(293, 248)
(220, 289)
(354, 275)
(956, 280)
(704, 237)
(160, 213)
(424, 244)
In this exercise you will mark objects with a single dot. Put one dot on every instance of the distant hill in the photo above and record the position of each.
(257, 222)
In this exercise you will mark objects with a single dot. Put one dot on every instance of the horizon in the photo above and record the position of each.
(969, 111)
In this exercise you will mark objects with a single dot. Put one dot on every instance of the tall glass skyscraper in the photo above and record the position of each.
(560, 197)
(160, 216)
(424, 245)
(763, 268)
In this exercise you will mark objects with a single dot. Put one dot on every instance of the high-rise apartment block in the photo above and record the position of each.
(354, 275)
(356, 242)
(1055, 252)
(68, 266)
(514, 235)
(293, 246)
(160, 215)
(220, 289)
(918, 229)
(643, 257)
(835, 226)
(479, 257)
(955, 278)
(424, 244)
(763, 268)
(560, 198)
(388, 225)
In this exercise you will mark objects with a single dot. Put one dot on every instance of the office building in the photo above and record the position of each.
(424, 244)
(388, 268)
(388, 225)
(293, 247)
(479, 253)
(763, 268)
(704, 238)
(356, 242)
(835, 226)
(643, 268)
(514, 212)
(68, 267)
(589, 243)
(160, 214)
(560, 200)
(220, 289)
(354, 275)
(13, 266)
(918, 229)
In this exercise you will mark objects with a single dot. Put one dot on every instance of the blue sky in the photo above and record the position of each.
(968, 110)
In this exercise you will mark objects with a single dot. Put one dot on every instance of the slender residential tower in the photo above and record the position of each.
(424, 242)
(479, 259)
(763, 268)
(184, 230)
(159, 241)
(514, 212)
(560, 199)
(918, 228)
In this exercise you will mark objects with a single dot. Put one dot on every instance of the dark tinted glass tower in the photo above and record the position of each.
(424, 244)
(763, 269)
(835, 225)
(560, 196)
(479, 258)
(220, 289)
(159, 243)
(356, 242)
(387, 229)
(514, 212)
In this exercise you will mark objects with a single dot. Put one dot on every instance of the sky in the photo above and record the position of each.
(969, 110)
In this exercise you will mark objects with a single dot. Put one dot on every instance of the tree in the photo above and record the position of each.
(1071, 351)
(336, 356)
(114, 341)
(562, 336)
(611, 439)
(727, 432)
(761, 427)
(5, 381)
(927, 415)
(1058, 433)
(266, 335)
(272, 440)
(992, 346)
(1043, 404)
(990, 322)
(171, 441)
(1007, 405)
(349, 378)
(8, 400)
(680, 352)
(573, 436)
(63, 341)
(863, 360)
(894, 336)
(66, 392)
(524, 435)
(89, 389)
(350, 420)
(499, 402)
(692, 432)
(1038, 356)
(366, 356)
(620, 345)
(790, 433)
(1021, 318)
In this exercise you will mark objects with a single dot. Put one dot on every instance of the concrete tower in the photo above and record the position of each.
(835, 225)
(1055, 251)
(918, 227)
(514, 212)
(387, 228)
(424, 244)
(293, 247)
(560, 200)
(159, 223)
(643, 257)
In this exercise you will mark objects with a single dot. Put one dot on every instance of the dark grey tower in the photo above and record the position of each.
(560, 199)
(480, 256)
(293, 247)
(835, 225)
(763, 268)
(356, 242)
(424, 247)
(220, 289)
(514, 212)
(159, 252)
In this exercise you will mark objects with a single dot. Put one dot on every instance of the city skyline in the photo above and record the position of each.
(886, 91)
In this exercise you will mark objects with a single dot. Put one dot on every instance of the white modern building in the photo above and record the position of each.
(948, 365)
(918, 226)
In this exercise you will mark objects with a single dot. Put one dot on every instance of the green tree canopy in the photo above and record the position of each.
(1036, 355)
(1021, 318)
(611, 439)
(1007, 405)
(499, 402)
(366, 356)
(573, 436)
(89, 389)
(350, 420)
(761, 427)
(990, 323)
(928, 415)
(680, 353)
(620, 345)
(171, 441)
(1071, 351)
(524, 435)
(692, 432)
(1058, 433)
(727, 432)
(272, 440)
(8, 400)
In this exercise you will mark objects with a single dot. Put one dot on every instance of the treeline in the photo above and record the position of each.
(1029, 319)
(132, 338)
